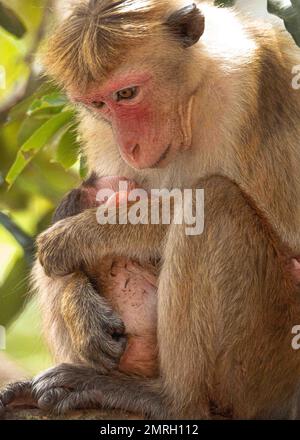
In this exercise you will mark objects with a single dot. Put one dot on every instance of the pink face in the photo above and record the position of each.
(141, 116)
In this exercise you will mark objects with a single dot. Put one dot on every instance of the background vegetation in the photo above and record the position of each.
(40, 161)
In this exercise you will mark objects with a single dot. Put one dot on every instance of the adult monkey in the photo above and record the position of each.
(230, 126)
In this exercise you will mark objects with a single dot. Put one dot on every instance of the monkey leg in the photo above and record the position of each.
(84, 324)
(97, 333)
(68, 387)
(66, 334)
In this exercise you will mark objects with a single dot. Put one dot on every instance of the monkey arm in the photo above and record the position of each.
(79, 324)
(79, 241)
(96, 331)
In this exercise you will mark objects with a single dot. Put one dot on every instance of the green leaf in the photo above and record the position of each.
(20, 110)
(68, 148)
(11, 22)
(27, 128)
(36, 142)
(51, 103)
(290, 14)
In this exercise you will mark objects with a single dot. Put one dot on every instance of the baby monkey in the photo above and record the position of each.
(129, 287)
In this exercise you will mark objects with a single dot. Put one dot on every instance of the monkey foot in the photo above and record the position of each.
(67, 387)
(58, 390)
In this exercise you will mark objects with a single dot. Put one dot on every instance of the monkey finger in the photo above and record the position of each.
(49, 400)
(86, 399)
(115, 343)
(59, 401)
(18, 393)
(116, 347)
(68, 376)
(104, 351)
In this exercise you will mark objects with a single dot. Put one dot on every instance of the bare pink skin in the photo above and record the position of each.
(131, 290)
(295, 270)
(144, 140)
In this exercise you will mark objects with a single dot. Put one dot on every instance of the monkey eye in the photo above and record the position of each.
(126, 94)
(98, 104)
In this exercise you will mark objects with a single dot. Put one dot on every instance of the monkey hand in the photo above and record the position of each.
(59, 250)
(66, 387)
(76, 243)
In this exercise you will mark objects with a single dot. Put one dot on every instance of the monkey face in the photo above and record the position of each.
(149, 111)
(135, 81)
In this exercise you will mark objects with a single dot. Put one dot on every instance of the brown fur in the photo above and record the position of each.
(97, 35)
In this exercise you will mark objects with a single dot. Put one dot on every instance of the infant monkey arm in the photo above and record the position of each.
(77, 242)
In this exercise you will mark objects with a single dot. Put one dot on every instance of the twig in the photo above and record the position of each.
(22, 238)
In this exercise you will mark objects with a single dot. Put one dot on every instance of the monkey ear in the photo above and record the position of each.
(187, 24)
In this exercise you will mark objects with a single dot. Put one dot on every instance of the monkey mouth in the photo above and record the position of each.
(162, 157)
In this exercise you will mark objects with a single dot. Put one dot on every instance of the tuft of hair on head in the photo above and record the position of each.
(94, 39)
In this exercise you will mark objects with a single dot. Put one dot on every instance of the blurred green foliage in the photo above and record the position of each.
(40, 127)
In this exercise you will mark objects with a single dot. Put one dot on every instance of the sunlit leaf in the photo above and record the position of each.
(15, 70)
(28, 127)
(53, 102)
(22, 107)
(36, 142)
